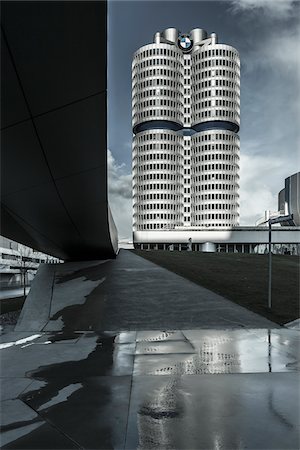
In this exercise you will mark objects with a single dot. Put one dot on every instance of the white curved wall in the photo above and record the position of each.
(157, 84)
(216, 84)
(157, 180)
(215, 178)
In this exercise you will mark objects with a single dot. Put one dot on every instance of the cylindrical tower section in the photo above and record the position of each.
(215, 88)
(215, 179)
(170, 34)
(158, 182)
(157, 87)
(198, 35)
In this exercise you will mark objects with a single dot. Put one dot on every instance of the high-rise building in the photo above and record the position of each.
(185, 118)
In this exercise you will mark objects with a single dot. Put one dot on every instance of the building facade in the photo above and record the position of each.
(289, 199)
(185, 118)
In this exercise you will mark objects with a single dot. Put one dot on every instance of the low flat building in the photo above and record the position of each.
(237, 239)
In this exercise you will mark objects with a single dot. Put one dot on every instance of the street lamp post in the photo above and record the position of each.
(270, 267)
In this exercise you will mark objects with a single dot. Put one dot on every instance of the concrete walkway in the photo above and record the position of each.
(124, 354)
(129, 293)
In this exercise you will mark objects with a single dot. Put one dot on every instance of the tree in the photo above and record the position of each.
(26, 263)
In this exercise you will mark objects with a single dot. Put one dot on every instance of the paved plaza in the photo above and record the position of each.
(124, 354)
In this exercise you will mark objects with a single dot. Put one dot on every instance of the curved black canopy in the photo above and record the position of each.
(53, 128)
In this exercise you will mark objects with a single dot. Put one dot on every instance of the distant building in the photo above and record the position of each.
(185, 118)
(289, 199)
(12, 257)
(288, 203)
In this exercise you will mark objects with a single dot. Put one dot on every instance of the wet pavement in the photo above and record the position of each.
(183, 389)
(66, 383)
(129, 293)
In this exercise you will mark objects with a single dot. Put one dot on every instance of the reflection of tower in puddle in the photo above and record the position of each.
(162, 419)
(157, 415)
(215, 355)
(218, 354)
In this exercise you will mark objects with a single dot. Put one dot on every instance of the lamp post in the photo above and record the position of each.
(271, 222)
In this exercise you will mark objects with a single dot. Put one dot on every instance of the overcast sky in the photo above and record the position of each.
(266, 33)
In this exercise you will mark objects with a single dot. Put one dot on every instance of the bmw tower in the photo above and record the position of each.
(185, 119)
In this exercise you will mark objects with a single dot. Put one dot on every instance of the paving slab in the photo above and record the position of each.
(94, 411)
(257, 411)
(22, 427)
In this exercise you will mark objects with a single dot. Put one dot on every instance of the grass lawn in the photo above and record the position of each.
(242, 278)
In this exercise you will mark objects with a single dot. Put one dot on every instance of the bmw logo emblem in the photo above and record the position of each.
(185, 43)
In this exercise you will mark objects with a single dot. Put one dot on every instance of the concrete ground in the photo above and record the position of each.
(124, 354)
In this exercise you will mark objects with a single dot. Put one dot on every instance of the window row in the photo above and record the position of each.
(159, 186)
(140, 138)
(157, 156)
(215, 136)
(157, 226)
(157, 166)
(218, 102)
(152, 216)
(218, 92)
(216, 112)
(159, 146)
(158, 102)
(213, 216)
(158, 176)
(214, 176)
(159, 196)
(216, 196)
(201, 168)
(215, 73)
(158, 52)
(143, 84)
(216, 52)
(225, 206)
(158, 113)
(162, 206)
(214, 186)
(155, 92)
(171, 62)
(213, 63)
(156, 72)
(214, 156)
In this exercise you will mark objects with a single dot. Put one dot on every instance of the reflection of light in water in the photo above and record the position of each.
(164, 335)
(20, 341)
(156, 416)
(209, 357)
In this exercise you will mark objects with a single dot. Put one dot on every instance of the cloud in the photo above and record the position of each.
(270, 107)
(259, 188)
(268, 41)
(120, 196)
(273, 8)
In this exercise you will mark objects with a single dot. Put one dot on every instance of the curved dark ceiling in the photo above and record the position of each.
(53, 128)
